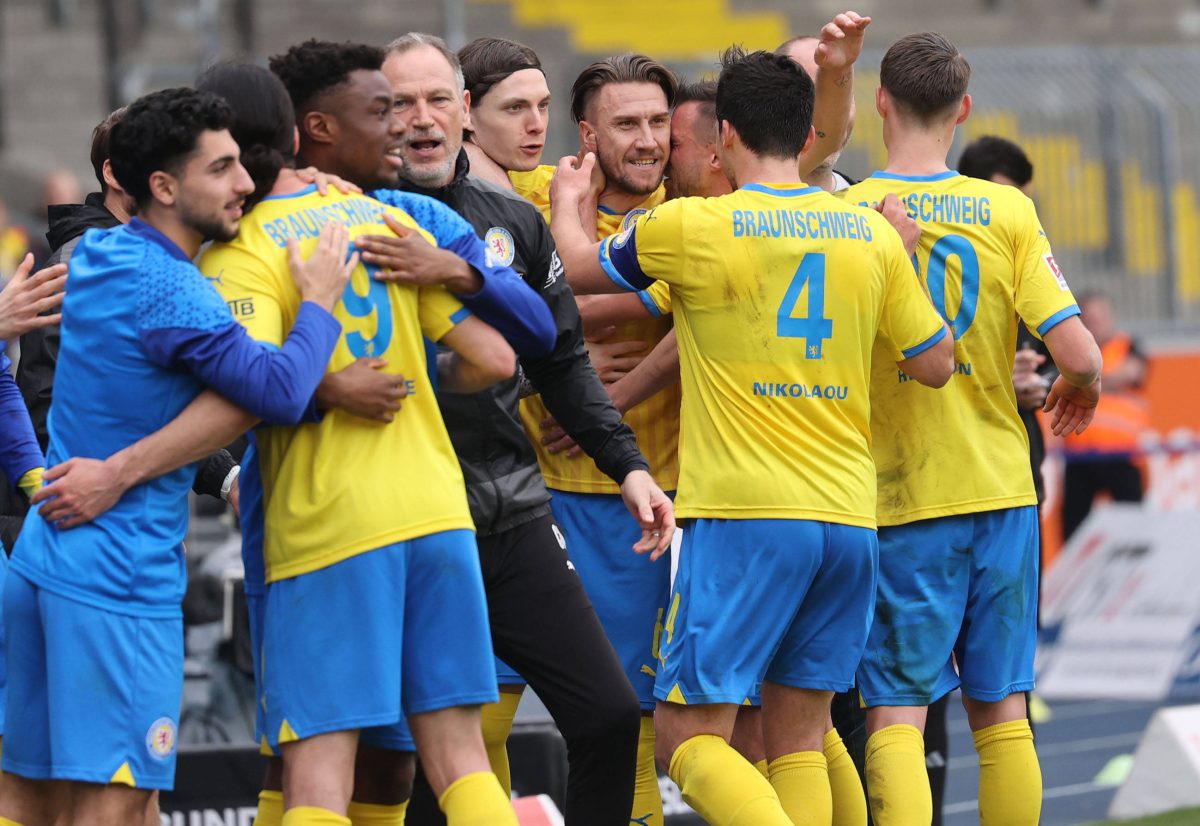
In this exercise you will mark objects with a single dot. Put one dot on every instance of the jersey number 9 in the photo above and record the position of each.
(374, 302)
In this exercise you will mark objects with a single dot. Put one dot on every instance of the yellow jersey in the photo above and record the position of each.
(654, 421)
(780, 293)
(987, 264)
(344, 485)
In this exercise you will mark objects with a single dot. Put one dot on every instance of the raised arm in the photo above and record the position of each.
(839, 47)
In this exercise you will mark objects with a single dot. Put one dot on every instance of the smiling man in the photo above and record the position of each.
(542, 622)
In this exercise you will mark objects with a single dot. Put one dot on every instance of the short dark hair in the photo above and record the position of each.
(101, 138)
(768, 99)
(925, 74)
(622, 68)
(315, 66)
(704, 94)
(486, 61)
(991, 155)
(159, 132)
(264, 124)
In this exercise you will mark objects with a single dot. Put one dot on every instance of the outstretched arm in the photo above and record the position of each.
(839, 47)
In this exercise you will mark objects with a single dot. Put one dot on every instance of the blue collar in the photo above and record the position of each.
(781, 190)
(937, 176)
(141, 229)
(308, 190)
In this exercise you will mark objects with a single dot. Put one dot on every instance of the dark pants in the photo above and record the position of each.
(1082, 480)
(544, 626)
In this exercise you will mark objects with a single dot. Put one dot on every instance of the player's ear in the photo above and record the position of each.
(727, 134)
(964, 109)
(163, 187)
(466, 105)
(809, 139)
(587, 136)
(882, 103)
(320, 127)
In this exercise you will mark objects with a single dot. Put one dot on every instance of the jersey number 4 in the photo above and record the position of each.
(814, 328)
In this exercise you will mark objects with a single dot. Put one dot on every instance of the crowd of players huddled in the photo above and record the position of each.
(480, 391)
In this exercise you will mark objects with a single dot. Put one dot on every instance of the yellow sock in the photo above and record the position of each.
(849, 802)
(801, 780)
(722, 786)
(763, 768)
(476, 799)
(270, 808)
(647, 799)
(497, 724)
(1010, 779)
(313, 816)
(373, 814)
(897, 780)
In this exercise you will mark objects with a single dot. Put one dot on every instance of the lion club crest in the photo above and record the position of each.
(500, 248)
(160, 739)
(632, 216)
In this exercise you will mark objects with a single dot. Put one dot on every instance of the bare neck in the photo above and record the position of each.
(482, 166)
(168, 223)
(749, 168)
(619, 201)
(915, 151)
(115, 204)
(287, 183)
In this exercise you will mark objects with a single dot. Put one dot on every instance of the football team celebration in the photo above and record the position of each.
(713, 449)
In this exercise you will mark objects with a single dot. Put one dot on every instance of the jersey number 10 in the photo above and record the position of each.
(935, 276)
(814, 328)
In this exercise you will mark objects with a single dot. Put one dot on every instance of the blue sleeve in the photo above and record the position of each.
(19, 451)
(184, 324)
(506, 302)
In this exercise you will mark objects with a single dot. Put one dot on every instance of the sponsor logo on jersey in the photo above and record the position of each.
(500, 247)
(1056, 271)
(241, 307)
(556, 270)
(160, 738)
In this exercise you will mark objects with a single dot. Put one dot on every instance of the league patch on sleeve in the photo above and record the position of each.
(1056, 271)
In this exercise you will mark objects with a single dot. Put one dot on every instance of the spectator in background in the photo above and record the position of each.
(61, 187)
(14, 244)
(1103, 458)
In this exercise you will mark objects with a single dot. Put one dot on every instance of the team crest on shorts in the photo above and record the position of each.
(500, 247)
(160, 739)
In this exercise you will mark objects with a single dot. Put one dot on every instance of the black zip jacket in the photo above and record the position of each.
(504, 485)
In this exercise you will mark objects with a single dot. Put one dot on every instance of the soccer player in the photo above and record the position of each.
(142, 333)
(542, 622)
(390, 571)
(958, 525)
(779, 293)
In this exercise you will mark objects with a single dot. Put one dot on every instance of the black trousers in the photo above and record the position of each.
(1082, 480)
(544, 626)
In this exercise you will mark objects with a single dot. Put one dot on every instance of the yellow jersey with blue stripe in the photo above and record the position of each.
(654, 421)
(344, 485)
(987, 264)
(780, 294)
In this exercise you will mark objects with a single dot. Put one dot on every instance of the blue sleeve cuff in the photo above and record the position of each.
(649, 304)
(1054, 320)
(918, 349)
(459, 316)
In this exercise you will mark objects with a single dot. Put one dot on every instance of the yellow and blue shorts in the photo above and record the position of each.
(628, 591)
(93, 695)
(959, 588)
(783, 600)
(369, 640)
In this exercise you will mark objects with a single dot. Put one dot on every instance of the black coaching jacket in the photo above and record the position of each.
(504, 485)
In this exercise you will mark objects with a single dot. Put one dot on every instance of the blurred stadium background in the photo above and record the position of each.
(1104, 95)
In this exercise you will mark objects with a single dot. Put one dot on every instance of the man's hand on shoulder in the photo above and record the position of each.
(407, 258)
